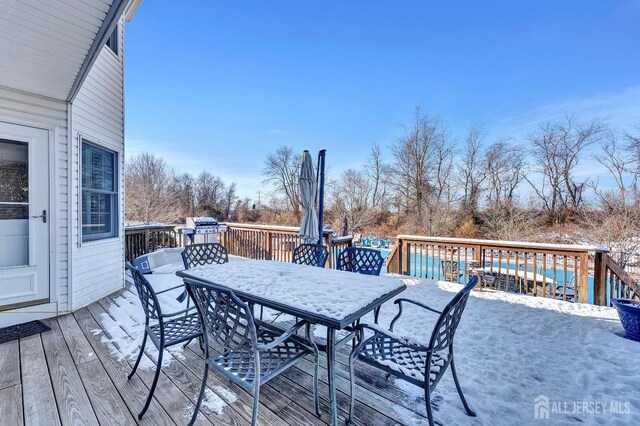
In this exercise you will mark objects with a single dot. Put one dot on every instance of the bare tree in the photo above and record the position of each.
(620, 164)
(504, 168)
(185, 194)
(281, 170)
(471, 172)
(632, 145)
(506, 220)
(148, 189)
(557, 149)
(421, 166)
(229, 200)
(443, 191)
(352, 199)
(375, 170)
(213, 196)
(615, 225)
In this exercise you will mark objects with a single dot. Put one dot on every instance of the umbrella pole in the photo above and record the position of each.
(321, 156)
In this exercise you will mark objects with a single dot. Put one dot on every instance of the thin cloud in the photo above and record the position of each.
(616, 107)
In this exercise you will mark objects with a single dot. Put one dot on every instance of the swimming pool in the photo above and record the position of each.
(424, 266)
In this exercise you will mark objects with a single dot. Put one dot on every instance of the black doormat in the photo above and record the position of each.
(19, 331)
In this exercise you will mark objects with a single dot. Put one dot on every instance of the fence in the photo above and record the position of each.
(274, 242)
(142, 239)
(568, 272)
(578, 273)
(246, 240)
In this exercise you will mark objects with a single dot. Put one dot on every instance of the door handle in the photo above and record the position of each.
(43, 216)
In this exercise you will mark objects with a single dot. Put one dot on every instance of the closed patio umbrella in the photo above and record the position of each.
(307, 185)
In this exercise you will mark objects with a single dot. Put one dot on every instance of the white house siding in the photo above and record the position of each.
(98, 116)
(25, 109)
(43, 43)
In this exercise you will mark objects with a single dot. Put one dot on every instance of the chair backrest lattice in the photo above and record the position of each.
(361, 260)
(204, 254)
(147, 295)
(310, 254)
(227, 319)
(447, 324)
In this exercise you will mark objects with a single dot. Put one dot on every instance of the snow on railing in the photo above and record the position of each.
(575, 273)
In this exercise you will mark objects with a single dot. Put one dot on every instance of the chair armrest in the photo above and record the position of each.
(422, 305)
(284, 336)
(169, 289)
(176, 313)
(399, 303)
(359, 329)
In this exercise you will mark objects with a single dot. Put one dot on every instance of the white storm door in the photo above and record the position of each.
(24, 216)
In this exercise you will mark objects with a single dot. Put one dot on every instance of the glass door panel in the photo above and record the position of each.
(14, 203)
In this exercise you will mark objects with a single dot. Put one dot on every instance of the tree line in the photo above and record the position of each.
(537, 187)
(155, 193)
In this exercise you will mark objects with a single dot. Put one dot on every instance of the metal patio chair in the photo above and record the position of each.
(310, 254)
(250, 352)
(164, 329)
(414, 362)
(451, 271)
(361, 260)
(204, 254)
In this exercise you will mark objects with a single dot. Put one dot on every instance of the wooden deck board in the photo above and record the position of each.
(105, 399)
(133, 392)
(9, 364)
(270, 398)
(39, 401)
(175, 403)
(71, 398)
(266, 414)
(11, 405)
(73, 374)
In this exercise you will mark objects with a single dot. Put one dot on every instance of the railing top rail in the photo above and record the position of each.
(344, 239)
(505, 244)
(275, 228)
(150, 227)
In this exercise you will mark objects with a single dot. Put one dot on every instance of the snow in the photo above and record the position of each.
(511, 348)
(327, 292)
(124, 324)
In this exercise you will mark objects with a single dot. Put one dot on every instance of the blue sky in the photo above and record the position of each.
(216, 85)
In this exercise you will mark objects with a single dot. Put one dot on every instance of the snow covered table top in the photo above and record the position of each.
(325, 296)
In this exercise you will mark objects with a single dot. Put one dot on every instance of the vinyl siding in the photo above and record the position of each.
(43, 43)
(98, 116)
(25, 109)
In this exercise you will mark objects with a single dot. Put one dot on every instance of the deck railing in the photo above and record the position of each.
(578, 273)
(274, 242)
(143, 239)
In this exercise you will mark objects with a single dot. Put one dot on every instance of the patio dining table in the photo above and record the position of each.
(334, 299)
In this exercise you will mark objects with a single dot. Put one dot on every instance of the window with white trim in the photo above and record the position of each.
(99, 193)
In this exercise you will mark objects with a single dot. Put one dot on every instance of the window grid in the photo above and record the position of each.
(99, 204)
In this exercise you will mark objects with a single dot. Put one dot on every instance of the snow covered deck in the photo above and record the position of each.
(510, 350)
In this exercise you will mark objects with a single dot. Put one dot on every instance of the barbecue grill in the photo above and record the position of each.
(202, 230)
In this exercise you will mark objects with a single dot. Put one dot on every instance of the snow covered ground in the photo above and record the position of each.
(510, 349)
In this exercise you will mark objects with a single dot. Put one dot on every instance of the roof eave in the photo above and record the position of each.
(108, 24)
